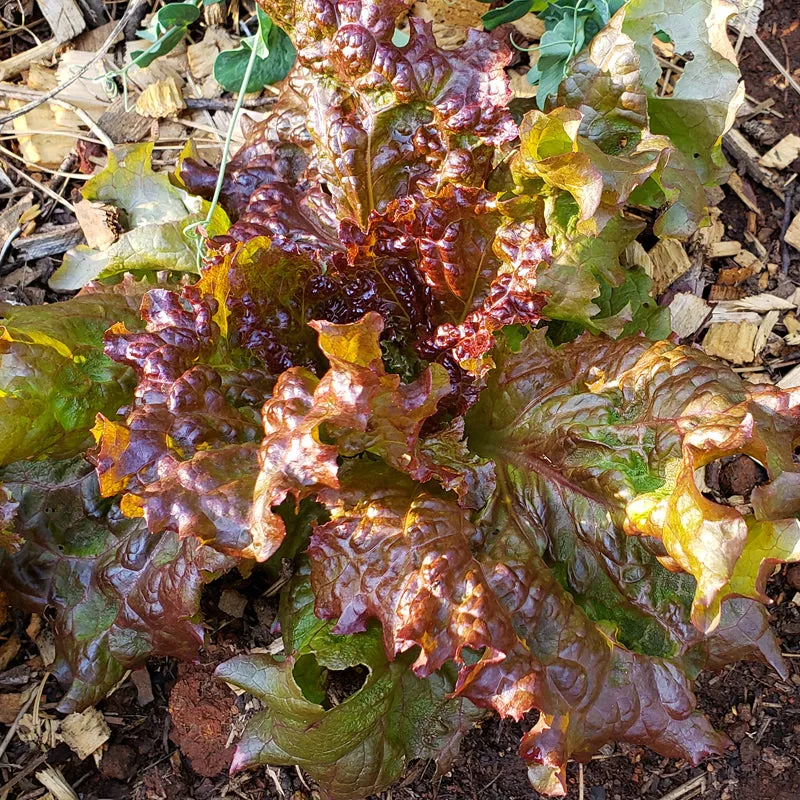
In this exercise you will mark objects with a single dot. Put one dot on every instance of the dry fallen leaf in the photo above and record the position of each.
(100, 223)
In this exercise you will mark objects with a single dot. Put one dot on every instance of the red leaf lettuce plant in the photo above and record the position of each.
(361, 381)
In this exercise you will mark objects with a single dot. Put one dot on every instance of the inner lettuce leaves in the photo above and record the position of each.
(354, 746)
(120, 594)
(54, 375)
(154, 215)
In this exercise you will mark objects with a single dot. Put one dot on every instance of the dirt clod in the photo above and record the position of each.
(119, 763)
(202, 711)
(793, 576)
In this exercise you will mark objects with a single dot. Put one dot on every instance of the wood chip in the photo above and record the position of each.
(10, 705)
(734, 276)
(144, 686)
(8, 650)
(732, 341)
(792, 323)
(55, 783)
(232, 603)
(790, 380)
(64, 18)
(11, 216)
(760, 303)
(718, 294)
(88, 92)
(124, 126)
(85, 732)
(450, 21)
(100, 222)
(793, 233)
(667, 262)
(744, 192)
(91, 41)
(521, 87)
(764, 330)
(724, 249)
(14, 66)
(174, 66)
(748, 157)
(53, 241)
(203, 54)
(687, 313)
(783, 153)
(41, 148)
(746, 259)
(530, 26)
(714, 231)
(161, 99)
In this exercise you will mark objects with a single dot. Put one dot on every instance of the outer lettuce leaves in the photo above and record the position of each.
(54, 376)
(154, 215)
(569, 613)
(639, 427)
(186, 456)
(361, 745)
(120, 594)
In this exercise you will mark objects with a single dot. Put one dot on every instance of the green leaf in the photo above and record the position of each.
(183, 14)
(165, 31)
(155, 215)
(161, 47)
(275, 56)
(708, 93)
(630, 308)
(507, 13)
(54, 375)
(362, 745)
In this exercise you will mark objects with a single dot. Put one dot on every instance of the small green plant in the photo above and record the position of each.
(570, 25)
(273, 51)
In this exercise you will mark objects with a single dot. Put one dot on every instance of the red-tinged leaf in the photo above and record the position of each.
(589, 689)
(399, 554)
(120, 594)
(275, 150)
(186, 455)
(386, 119)
(356, 407)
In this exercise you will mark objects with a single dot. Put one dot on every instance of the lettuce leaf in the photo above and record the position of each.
(155, 215)
(54, 376)
(119, 593)
(569, 613)
(362, 744)
(186, 455)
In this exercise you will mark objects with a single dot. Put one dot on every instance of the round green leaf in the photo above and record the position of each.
(230, 66)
